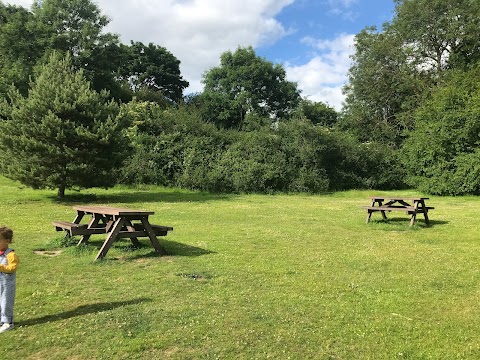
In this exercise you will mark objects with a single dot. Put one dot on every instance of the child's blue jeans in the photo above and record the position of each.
(7, 297)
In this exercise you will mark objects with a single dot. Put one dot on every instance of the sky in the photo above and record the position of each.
(311, 39)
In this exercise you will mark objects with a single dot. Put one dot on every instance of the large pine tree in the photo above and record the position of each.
(63, 134)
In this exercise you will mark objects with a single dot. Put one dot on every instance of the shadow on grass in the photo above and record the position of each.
(146, 196)
(172, 248)
(80, 311)
(419, 222)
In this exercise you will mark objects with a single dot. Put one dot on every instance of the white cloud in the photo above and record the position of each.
(322, 78)
(197, 32)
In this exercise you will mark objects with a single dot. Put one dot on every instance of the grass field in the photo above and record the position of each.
(247, 277)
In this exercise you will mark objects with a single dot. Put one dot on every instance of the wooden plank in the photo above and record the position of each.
(67, 224)
(151, 235)
(397, 198)
(389, 208)
(112, 235)
(161, 228)
(72, 229)
(113, 211)
(133, 239)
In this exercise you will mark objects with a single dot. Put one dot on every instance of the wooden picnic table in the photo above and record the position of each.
(117, 223)
(409, 205)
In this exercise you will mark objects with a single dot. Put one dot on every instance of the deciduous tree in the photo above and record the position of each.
(383, 84)
(395, 68)
(152, 69)
(246, 83)
(318, 112)
(442, 154)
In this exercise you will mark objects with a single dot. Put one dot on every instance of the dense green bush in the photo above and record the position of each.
(176, 147)
(326, 160)
(166, 143)
(254, 163)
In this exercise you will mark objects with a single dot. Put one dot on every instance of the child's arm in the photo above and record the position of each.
(12, 263)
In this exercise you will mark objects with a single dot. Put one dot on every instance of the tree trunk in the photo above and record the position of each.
(61, 191)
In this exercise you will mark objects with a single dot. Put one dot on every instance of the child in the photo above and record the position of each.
(8, 267)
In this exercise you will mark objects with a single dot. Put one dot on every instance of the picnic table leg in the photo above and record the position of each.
(112, 235)
(369, 215)
(412, 219)
(414, 213)
(79, 217)
(152, 237)
(130, 227)
(384, 216)
(425, 213)
(427, 221)
(93, 223)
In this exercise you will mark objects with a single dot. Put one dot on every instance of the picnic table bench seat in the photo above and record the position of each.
(407, 209)
(158, 230)
(74, 229)
(71, 228)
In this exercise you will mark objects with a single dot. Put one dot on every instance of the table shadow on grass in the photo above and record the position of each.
(172, 248)
(81, 311)
(399, 223)
(141, 196)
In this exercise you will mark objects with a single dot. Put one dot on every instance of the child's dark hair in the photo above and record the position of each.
(6, 233)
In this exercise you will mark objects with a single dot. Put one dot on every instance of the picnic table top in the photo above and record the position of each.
(108, 210)
(398, 198)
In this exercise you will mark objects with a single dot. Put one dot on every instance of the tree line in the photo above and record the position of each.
(79, 109)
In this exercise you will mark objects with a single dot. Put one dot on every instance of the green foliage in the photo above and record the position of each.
(152, 69)
(28, 38)
(254, 163)
(441, 154)
(63, 134)
(245, 83)
(318, 113)
(442, 33)
(174, 147)
(393, 70)
(18, 48)
(76, 27)
(383, 88)
(332, 160)
(167, 144)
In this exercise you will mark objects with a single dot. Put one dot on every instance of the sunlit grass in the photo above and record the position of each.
(247, 277)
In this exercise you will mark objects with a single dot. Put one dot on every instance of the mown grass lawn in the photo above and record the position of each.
(247, 277)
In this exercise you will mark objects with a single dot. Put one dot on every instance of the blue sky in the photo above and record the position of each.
(322, 19)
(311, 39)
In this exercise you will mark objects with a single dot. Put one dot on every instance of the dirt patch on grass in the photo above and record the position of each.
(49, 253)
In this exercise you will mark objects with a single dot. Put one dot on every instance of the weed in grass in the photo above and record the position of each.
(81, 250)
(61, 241)
(195, 276)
